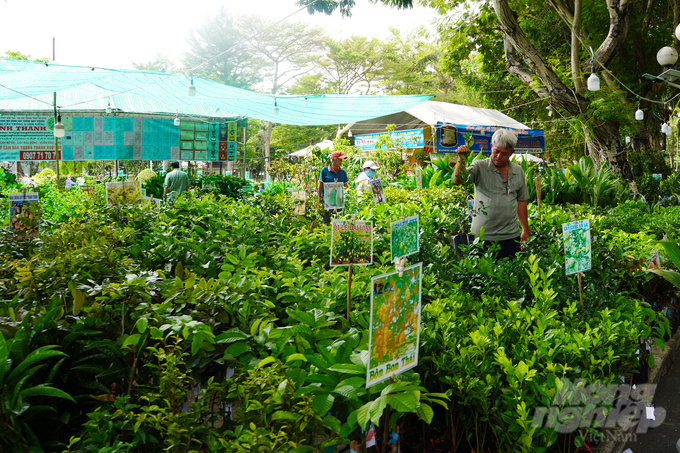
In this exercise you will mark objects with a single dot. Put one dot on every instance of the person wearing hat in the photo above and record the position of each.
(176, 182)
(332, 173)
(363, 181)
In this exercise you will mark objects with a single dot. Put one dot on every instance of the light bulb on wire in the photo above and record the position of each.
(593, 80)
(108, 107)
(59, 129)
(639, 114)
(192, 88)
(177, 121)
(275, 111)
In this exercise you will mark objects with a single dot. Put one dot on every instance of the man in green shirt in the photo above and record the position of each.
(176, 182)
(501, 194)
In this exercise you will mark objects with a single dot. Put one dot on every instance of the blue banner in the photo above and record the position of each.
(451, 136)
(412, 138)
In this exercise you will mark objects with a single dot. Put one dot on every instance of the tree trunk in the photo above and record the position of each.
(603, 142)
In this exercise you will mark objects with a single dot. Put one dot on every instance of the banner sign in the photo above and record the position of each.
(31, 138)
(351, 243)
(577, 246)
(407, 139)
(28, 137)
(451, 136)
(394, 333)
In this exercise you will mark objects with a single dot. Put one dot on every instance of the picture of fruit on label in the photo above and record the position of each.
(334, 195)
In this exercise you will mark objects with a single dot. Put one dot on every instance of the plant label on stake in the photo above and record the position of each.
(394, 332)
(377, 189)
(351, 242)
(123, 193)
(404, 237)
(333, 195)
(577, 246)
(23, 214)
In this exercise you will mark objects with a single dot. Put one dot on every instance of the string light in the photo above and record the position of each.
(349, 133)
(192, 88)
(177, 121)
(550, 109)
(639, 114)
(59, 129)
(593, 80)
(108, 107)
(275, 111)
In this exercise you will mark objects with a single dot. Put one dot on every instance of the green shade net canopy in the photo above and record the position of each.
(29, 86)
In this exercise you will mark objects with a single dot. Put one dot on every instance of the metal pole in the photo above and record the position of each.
(56, 140)
(245, 139)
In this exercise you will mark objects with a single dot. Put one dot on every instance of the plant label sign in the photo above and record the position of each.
(351, 243)
(404, 237)
(123, 193)
(299, 198)
(333, 195)
(23, 217)
(394, 333)
(577, 246)
(377, 189)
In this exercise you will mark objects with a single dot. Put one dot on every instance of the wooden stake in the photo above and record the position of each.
(580, 288)
(349, 290)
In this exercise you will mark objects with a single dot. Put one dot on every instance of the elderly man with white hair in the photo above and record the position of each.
(501, 194)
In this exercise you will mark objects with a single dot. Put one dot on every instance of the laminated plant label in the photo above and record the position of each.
(333, 195)
(394, 333)
(123, 193)
(351, 243)
(404, 237)
(23, 214)
(577, 246)
(377, 190)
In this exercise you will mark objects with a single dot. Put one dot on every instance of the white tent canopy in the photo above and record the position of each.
(324, 144)
(433, 112)
(518, 157)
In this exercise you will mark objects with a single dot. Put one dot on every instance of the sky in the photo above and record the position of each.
(114, 34)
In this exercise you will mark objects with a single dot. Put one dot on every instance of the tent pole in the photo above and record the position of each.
(56, 140)
(245, 139)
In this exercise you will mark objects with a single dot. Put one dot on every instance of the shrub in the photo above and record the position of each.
(146, 175)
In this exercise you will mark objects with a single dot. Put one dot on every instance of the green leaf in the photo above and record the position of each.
(142, 324)
(231, 336)
(283, 415)
(347, 391)
(46, 390)
(403, 402)
(322, 403)
(77, 301)
(377, 408)
(266, 361)
(197, 342)
(425, 413)
(363, 414)
(236, 349)
(672, 277)
(348, 368)
(332, 423)
(296, 357)
(322, 379)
